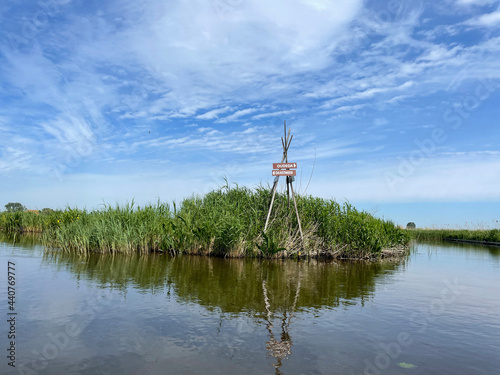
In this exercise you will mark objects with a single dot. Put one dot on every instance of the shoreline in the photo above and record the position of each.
(390, 253)
(475, 242)
(490, 237)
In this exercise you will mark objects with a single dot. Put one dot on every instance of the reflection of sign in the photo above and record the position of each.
(284, 165)
(281, 172)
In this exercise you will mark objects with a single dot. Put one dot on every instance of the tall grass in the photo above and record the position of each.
(23, 222)
(225, 222)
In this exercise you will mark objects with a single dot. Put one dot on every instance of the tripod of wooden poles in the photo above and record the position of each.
(285, 142)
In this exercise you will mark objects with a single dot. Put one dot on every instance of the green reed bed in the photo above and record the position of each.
(482, 235)
(24, 222)
(225, 222)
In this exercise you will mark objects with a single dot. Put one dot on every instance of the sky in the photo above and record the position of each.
(393, 105)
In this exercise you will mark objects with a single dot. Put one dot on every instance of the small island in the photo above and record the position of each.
(227, 222)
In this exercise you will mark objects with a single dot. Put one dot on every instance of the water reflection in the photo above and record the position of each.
(467, 249)
(198, 314)
(279, 349)
(270, 292)
(27, 240)
(232, 285)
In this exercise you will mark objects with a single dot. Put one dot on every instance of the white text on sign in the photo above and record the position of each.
(284, 165)
(281, 172)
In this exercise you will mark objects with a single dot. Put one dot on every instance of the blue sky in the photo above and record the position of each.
(393, 105)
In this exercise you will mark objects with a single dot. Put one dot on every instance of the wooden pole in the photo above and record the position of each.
(285, 142)
(288, 140)
(298, 218)
(275, 185)
(272, 201)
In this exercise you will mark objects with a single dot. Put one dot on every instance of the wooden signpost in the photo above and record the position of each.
(288, 170)
(284, 173)
(284, 165)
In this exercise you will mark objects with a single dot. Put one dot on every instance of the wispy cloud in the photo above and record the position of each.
(272, 114)
(475, 2)
(15, 159)
(236, 115)
(248, 141)
(213, 114)
(127, 84)
(486, 20)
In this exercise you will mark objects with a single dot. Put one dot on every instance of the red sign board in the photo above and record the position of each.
(284, 172)
(284, 165)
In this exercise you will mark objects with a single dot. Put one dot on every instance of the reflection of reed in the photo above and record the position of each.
(232, 285)
(27, 240)
(282, 348)
(146, 272)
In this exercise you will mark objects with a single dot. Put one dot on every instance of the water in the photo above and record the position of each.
(435, 312)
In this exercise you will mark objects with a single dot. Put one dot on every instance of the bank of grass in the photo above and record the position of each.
(480, 235)
(225, 222)
(24, 222)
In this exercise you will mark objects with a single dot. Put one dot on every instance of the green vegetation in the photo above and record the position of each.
(484, 235)
(225, 222)
(24, 221)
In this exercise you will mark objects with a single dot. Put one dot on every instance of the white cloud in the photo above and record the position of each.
(475, 2)
(168, 64)
(349, 108)
(193, 50)
(486, 20)
(238, 114)
(187, 58)
(272, 114)
(439, 53)
(69, 131)
(248, 141)
(16, 159)
(210, 115)
(366, 94)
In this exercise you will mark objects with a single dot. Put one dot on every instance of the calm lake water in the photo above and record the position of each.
(435, 312)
